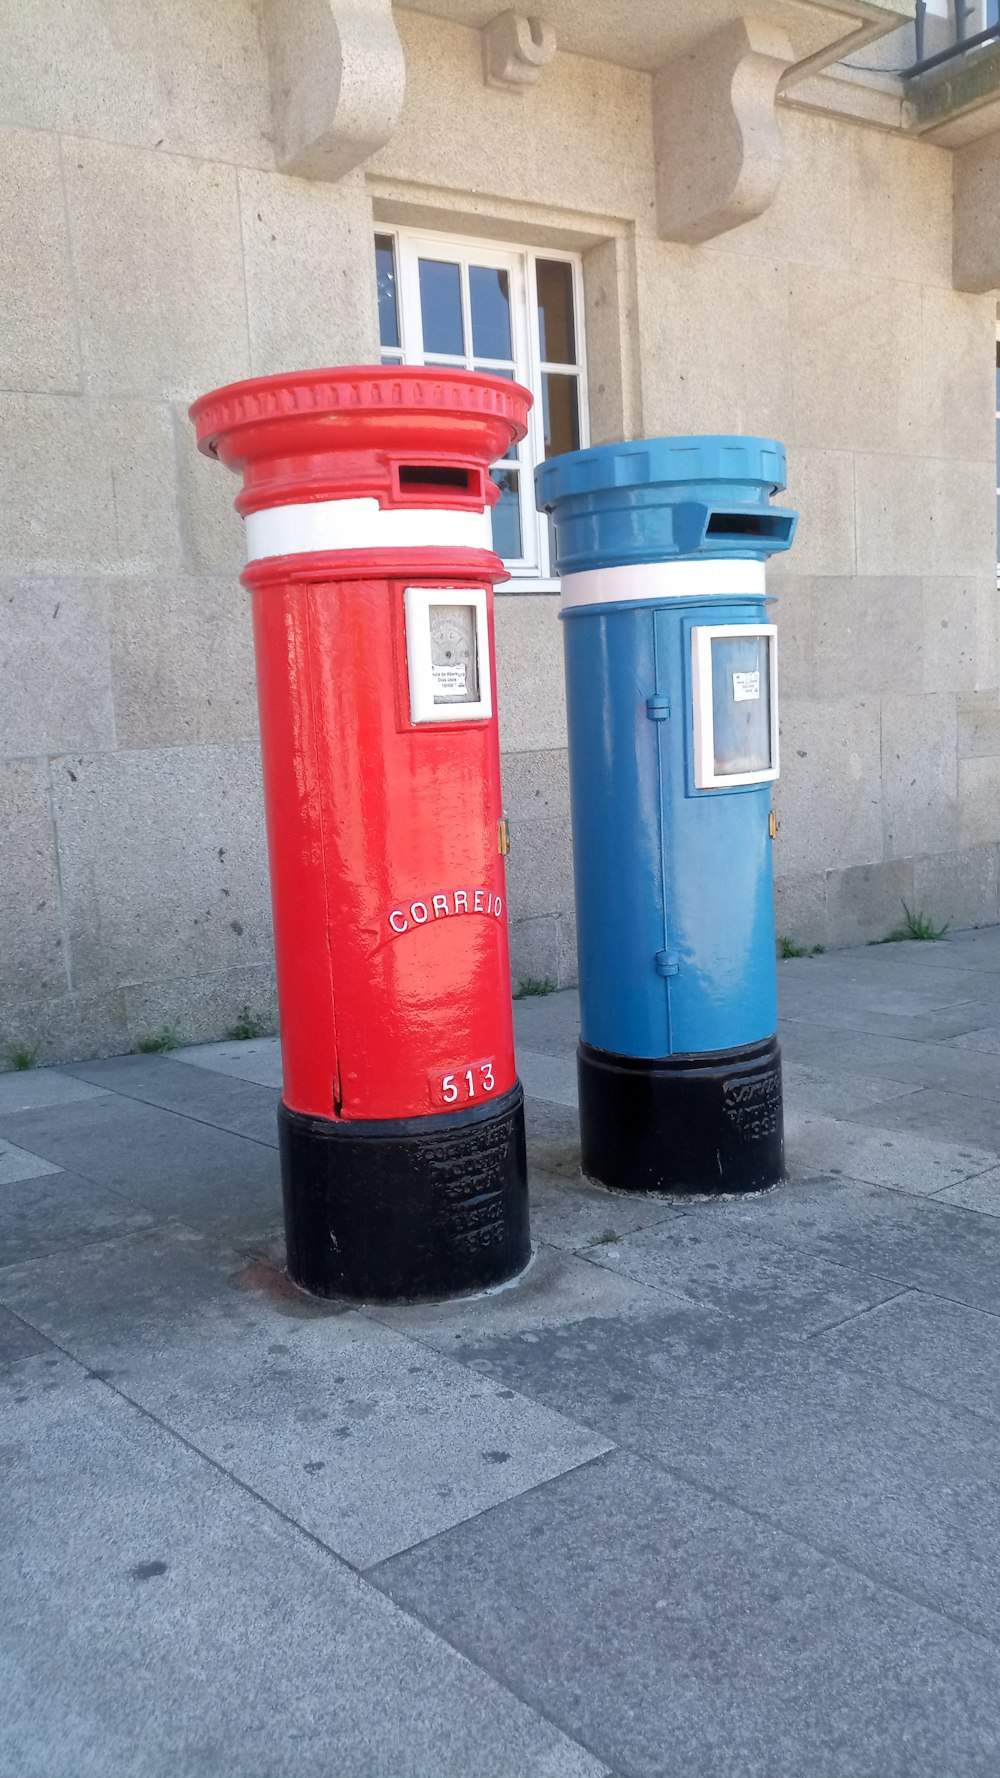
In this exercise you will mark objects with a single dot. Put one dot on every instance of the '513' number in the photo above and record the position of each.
(469, 1083)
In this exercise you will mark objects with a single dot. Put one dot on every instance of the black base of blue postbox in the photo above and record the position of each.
(700, 1124)
(409, 1208)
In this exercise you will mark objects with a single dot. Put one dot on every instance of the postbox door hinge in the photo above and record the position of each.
(658, 707)
(503, 837)
(667, 962)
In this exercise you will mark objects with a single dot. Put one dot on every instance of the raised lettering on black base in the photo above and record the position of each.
(698, 1124)
(408, 1209)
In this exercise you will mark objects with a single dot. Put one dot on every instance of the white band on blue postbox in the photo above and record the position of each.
(712, 579)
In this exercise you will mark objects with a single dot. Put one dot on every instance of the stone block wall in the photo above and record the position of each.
(151, 251)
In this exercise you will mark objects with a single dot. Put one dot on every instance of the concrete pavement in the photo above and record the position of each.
(711, 1490)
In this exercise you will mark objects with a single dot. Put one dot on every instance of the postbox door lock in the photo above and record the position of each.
(503, 837)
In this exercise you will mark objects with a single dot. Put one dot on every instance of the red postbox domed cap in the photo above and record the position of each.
(406, 435)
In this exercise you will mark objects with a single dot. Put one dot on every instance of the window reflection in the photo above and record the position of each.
(507, 514)
(489, 292)
(441, 307)
(556, 331)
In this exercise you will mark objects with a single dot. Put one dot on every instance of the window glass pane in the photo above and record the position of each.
(507, 515)
(441, 307)
(489, 290)
(385, 274)
(560, 413)
(741, 704)
(556, 332)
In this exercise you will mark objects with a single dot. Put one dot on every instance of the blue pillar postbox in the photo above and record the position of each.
(672, 709)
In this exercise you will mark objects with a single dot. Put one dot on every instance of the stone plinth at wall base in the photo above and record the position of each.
(77, 1027)
(957, 890)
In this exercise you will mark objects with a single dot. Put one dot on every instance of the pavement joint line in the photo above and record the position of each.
(880, 1582)
(495, 1505)
(457, 1644)
(172, 1111)
(81, 1246)
(355, 1568)
(859, 1314)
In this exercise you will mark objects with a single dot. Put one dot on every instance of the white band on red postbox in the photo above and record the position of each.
(296, 530)
(718, 579)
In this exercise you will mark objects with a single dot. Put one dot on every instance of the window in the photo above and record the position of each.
(471, 305)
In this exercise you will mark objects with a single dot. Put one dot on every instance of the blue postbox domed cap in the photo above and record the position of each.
(657, 499)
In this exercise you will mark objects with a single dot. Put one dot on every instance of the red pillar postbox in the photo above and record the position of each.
(366, 497)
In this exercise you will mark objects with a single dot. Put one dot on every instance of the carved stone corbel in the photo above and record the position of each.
(516, 49)
(716, 138)
(337, 82)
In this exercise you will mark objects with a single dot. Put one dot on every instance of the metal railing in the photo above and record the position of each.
(963, 16)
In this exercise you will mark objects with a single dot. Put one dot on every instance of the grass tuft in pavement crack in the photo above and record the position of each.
(164, 1039)
(916, 926)
(23, 1056)
(246, 1026)
(533, 986)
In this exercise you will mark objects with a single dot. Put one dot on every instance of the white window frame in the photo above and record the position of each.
(532, 571)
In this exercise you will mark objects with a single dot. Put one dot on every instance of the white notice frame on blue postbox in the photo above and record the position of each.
(734, 679)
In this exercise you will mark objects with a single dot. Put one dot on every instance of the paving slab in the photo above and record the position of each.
(556, 1289)
(369, 1441)
(576, 1214)
(162, 1162)
(553, 1137)
(256, 1059)
(175, 1627)
(18, 1340)
(912, 1163)
(552, 1078)
(981, 1193)
(939, 1348)
(549, 1022)
(835, 1095)
(42, 1214)
(946, 1116)
(986, 1038)
(917, 1242)
(976, 948)
(706, 1256)
(857, 1465)
(220, 1099)
(679, 1635)
(31, 1088)
(877, 999)
(927, 1027)
(19, 1163)
(969, 1073)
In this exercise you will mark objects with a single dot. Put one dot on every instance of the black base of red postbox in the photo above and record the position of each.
(409, 1208)
(695, 1125)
